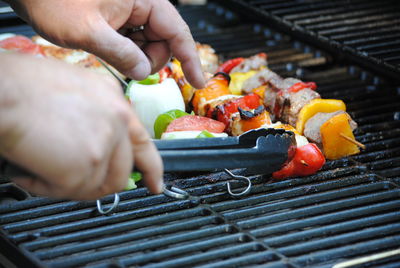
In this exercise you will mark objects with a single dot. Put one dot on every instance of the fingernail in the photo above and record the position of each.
(160, 185)
(140, 71)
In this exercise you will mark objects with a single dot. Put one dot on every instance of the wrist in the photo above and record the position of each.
(19, 6)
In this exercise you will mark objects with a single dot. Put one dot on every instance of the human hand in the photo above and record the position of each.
(93, 26)
(72, 128)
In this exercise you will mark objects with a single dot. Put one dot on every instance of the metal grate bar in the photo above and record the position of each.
(327, 24)
(56, 225)
(70, 235)
(320, 209)
(143, 234)
(116, 238)
(246, 261)
(350, 250)
(329, 218)
(154, 244)
(340, 240)
(191, 260)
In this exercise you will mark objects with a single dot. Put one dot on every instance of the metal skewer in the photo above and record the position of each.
(122, 81)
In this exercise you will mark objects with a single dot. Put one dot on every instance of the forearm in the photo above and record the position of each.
(9, 100)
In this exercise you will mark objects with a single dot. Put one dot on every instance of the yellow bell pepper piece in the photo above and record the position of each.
(286, 127)
(260, 91)
(334, 145)
(317, 106)
(237, 81)
(177, 73)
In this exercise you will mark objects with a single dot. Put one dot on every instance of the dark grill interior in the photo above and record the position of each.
(366, 31)
(348, 210)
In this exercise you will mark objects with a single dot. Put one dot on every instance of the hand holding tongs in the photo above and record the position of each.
(260, 151)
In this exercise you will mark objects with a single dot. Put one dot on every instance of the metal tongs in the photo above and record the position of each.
(260, 151)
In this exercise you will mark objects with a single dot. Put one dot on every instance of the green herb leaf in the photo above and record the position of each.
(205, 134)
(136, 176)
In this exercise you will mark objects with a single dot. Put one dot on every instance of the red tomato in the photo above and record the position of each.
(21, 44)
(308, 159)
(195, 122)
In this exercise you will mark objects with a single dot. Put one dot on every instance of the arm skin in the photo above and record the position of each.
(72, 128)
(96, 26)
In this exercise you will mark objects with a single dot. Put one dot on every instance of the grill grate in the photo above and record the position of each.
(348, 210)
(364, 31)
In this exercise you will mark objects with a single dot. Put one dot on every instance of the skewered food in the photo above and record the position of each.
(151, 100)
(208, 58)
(40, 47)
(20, 43)
(317, 106)
(333, 134)
(293, 103)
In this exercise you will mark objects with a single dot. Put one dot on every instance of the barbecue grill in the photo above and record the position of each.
(345, 215)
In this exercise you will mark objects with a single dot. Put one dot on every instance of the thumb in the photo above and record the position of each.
(34, 185)
(119, 51)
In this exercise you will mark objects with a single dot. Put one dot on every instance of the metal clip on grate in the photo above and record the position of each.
(236, 178)
(102, 211)
(175, 192)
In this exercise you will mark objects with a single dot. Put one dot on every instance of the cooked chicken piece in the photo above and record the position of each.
(252, 63)
(313, 125)
(208, 58)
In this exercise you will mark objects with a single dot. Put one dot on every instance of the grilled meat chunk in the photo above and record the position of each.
(263, 77)
(293, 102)
(252, 63)
(285, 104)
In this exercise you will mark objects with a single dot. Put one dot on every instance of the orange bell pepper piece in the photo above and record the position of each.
(215, 87)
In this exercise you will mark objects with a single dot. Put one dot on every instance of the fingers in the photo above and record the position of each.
(109, 177)
(120, 52)
(33, 185)
(157, 51)
(146, 156)
(163, 22)
(119, 168)
(183, 47)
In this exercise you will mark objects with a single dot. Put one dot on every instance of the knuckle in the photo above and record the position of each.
(71, 184)
(123, 113)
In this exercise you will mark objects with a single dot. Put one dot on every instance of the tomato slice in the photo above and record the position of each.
(195, 122)
(21, 44)
(163, 120)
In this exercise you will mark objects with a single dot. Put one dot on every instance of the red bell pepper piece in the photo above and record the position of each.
(164, 73)
(228, 65)
(225, 110)
(301, 85)
(308, 159)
